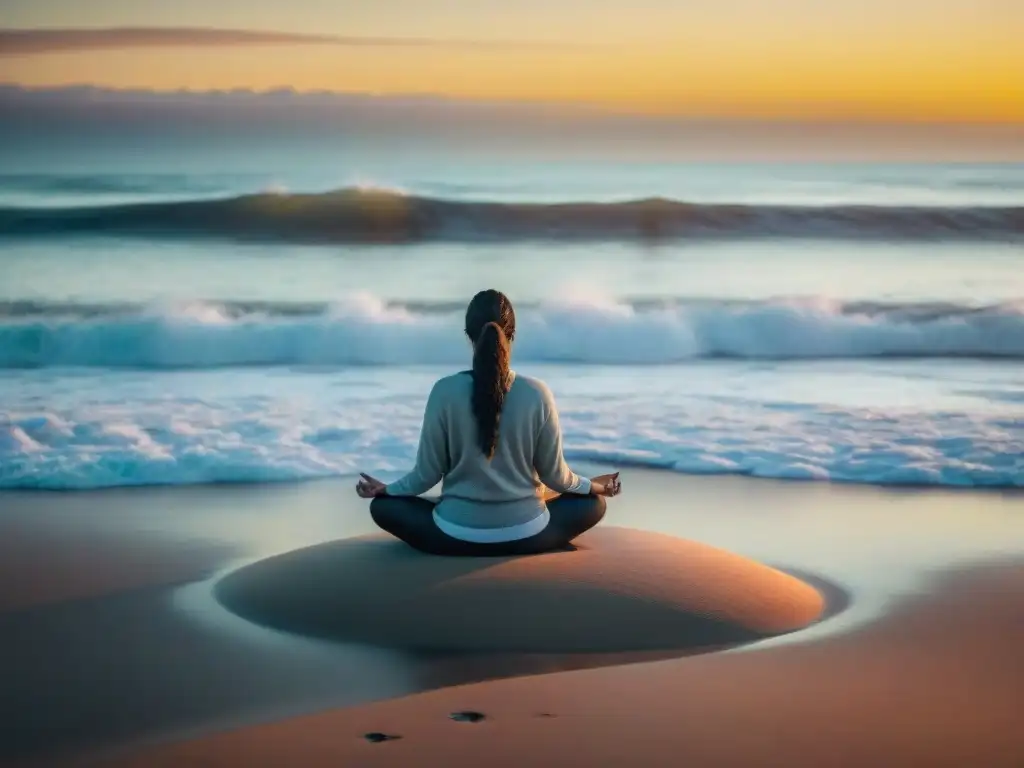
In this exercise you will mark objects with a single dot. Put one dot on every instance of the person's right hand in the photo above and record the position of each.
(370, 487)
(606, 485)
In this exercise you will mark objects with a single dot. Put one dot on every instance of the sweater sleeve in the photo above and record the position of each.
(432, 454)
(548, 459)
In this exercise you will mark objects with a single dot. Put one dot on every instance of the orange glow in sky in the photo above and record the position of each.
(926, 60)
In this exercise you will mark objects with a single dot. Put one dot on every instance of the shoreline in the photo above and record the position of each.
(592, 465)
(101, 587)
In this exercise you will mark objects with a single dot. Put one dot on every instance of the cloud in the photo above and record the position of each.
(28, 42)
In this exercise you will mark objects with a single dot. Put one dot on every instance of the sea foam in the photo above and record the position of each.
(905, 423)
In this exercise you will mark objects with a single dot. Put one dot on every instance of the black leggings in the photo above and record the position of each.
(411, 519)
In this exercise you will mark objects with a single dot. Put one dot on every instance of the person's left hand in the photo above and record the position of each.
(370, 487)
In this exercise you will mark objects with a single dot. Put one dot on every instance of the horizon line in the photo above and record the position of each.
(578, 107)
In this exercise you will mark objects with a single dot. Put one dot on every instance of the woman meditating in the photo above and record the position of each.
(493, 437)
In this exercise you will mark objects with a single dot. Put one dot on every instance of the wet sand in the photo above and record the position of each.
(940, 682)
(113, 642)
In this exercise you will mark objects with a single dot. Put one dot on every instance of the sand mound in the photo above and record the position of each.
(622, 590)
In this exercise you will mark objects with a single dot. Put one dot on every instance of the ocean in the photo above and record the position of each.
(200, 312)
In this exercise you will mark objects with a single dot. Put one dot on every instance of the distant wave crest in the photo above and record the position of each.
(102, 184)
(360, 215)
(363, 330)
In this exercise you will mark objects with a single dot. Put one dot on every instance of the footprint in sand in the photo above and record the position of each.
(467, 717)
(376, 737)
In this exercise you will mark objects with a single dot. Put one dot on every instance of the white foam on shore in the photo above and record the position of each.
(898, 424)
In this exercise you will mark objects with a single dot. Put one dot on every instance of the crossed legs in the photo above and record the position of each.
(411, 519)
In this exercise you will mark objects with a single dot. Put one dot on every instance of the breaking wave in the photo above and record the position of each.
(362, 215)
(364, 330)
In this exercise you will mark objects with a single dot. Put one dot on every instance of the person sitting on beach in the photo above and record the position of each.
(493, 437)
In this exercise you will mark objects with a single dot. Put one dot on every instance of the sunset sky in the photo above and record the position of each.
(921, 60)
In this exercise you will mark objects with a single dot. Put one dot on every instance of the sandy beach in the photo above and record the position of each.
(938, 684)
(117, 652)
